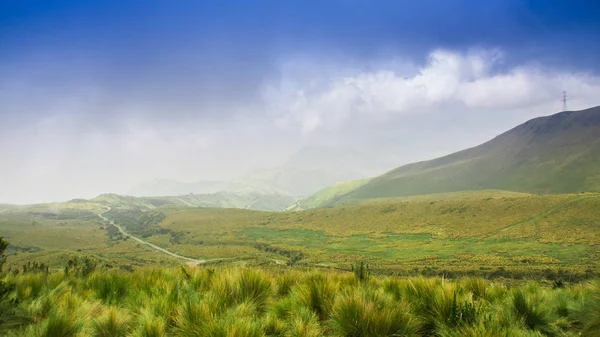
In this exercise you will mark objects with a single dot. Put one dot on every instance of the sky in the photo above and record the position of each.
(96, 96)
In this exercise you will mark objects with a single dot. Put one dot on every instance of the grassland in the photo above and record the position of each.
(54, 233)
(297, 273)
(263, 202)
(259, 302)
(484, 233)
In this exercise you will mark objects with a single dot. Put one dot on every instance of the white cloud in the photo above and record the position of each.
(447, 79)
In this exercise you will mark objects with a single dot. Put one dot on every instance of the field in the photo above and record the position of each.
(524, 234)
(293, 302)
(484, 233)
(457, 264)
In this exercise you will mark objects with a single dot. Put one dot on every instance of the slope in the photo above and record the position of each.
(554, 154)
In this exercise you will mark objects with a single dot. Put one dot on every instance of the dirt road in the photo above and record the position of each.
(189, 261)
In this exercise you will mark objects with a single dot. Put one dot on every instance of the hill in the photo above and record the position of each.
(470, 232)
(327, 196)
(263, 202)
(553, 154)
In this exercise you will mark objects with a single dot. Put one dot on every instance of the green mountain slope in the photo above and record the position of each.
(554, 154)
(327, 196)
(262, 202)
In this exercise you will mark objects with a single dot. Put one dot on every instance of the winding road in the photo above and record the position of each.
(189, 261)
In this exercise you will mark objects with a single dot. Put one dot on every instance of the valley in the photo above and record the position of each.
(477, 233)
(444, 231)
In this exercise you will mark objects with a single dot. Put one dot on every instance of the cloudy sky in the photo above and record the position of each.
(96, 96)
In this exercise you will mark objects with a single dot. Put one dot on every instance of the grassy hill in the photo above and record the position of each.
(327, 196)
(263, 202)
(554, 154)
(473, 232)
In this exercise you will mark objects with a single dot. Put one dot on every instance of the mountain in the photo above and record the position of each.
(160, 187)
(327, 196)
(297, 182)
(553, 154)
(306, 172)
(262, 202)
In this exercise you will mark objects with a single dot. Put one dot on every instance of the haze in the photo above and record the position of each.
(98, 96)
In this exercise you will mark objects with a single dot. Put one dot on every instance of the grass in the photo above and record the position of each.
(490, 234)
(262, 302)
(265, 202)
(328, 196)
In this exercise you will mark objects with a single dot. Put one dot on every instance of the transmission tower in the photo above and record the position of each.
(564, 100)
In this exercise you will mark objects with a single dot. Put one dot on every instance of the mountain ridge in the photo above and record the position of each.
(559, 153)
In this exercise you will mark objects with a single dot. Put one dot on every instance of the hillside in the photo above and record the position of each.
(554, 154)
(458, 232)
(327, 196)
(262, 202)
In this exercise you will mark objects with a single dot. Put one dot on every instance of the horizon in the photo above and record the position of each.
(100, 96)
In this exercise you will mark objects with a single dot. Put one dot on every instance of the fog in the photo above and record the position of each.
(85, 111)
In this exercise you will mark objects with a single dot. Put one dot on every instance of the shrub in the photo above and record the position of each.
(361, 271)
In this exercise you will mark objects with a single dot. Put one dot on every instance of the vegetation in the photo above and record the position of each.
(554, 154)
(328, 196)
(491, 234)
(258, 302)
(255, 201)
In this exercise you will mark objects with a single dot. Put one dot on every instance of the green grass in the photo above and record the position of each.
(484, 233)
(328, 196)
(261, 302)
(419, 246)
(264, 202)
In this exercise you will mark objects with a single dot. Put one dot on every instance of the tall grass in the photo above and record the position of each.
(113, 323)
(255, 302)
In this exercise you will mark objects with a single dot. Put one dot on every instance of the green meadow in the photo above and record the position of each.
(481, 233)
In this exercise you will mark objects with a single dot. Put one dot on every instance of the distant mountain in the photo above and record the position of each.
(161, 187)
(297, 182)
(553, 154)
(306, 172)
(262, 202)
(328, 196)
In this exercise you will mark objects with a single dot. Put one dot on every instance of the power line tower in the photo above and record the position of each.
(564, 100)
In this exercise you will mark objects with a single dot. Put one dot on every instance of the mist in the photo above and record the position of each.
(96, 101)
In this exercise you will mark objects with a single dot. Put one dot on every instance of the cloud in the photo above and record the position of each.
(81, 139)
(473, 80)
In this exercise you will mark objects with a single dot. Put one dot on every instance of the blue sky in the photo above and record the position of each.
(241, 84)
